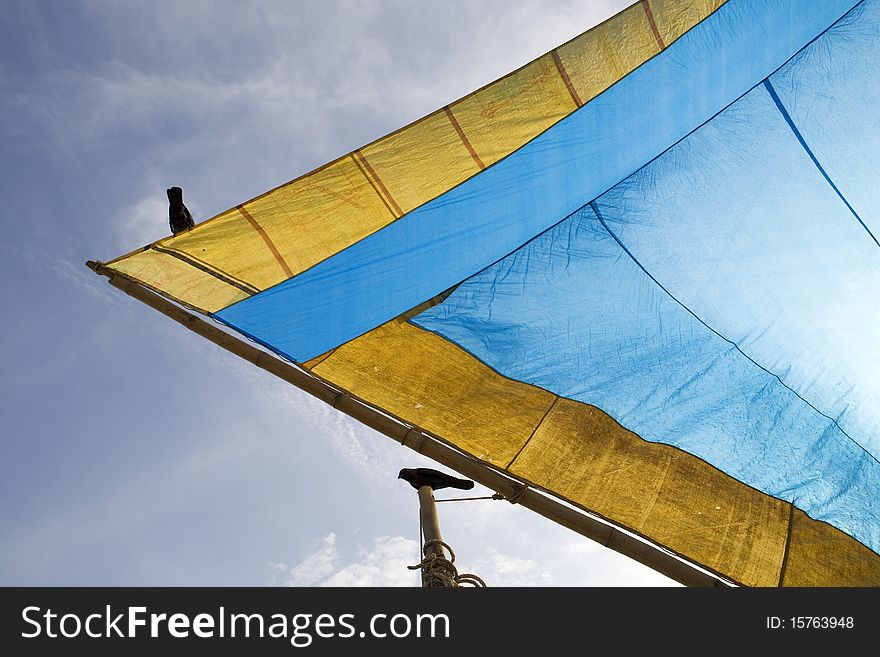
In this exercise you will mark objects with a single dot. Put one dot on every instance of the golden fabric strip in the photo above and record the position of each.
(566, 79)
(580, 454)
(269, 243)
(463, 137)
(421, 162)
(194, 262)
(371, 175)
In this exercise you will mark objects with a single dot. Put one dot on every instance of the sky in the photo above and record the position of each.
(137, 453)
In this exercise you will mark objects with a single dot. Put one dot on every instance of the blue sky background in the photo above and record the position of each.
(136, 453)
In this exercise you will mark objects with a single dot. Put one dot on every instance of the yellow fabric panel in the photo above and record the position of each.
(581, 454)
(599, 58)
(428, 381)
(309, 219)
(422, 161)
(231, 245)
(675, 17)
(505, 115)
(821, 555)
(668, 495)
(179, 281)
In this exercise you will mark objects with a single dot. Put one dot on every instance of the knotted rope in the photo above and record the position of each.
(437, 570)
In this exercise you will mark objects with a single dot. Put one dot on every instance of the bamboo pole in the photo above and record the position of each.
(430, 524)
(429, 520)
(601, 531)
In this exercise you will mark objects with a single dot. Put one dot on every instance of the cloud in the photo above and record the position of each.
(383, 564)
(75, 275)
(507, 570)
(144, 222)
(315, 81)
(316, 567)
(367, 453)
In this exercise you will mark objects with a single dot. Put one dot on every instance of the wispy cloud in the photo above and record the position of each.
(509, 570)
(81, 278)
(365, 452)
(382, 564)
(143, 222)
(316, 567)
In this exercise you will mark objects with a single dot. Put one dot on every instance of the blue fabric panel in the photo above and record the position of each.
(723, 299)
(739, 225)
(573, 313)
(461, 232)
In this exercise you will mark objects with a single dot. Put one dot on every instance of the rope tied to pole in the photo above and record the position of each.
(437, 570)
(518, 495)
(496, 496)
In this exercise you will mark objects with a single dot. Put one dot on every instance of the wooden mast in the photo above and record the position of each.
(430, 524)
(603, 532)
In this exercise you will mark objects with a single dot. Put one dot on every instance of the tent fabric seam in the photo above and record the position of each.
(217, 273)
(267, 240)
(114, 273)
(649, 15)
(375, 189)
(797, 133)
(560, 68)
(787, 543)
(376, 182)
(463, 137)
(534, 431)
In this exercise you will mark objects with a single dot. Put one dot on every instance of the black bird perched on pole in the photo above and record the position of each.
(179, 217)
(418, 477)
